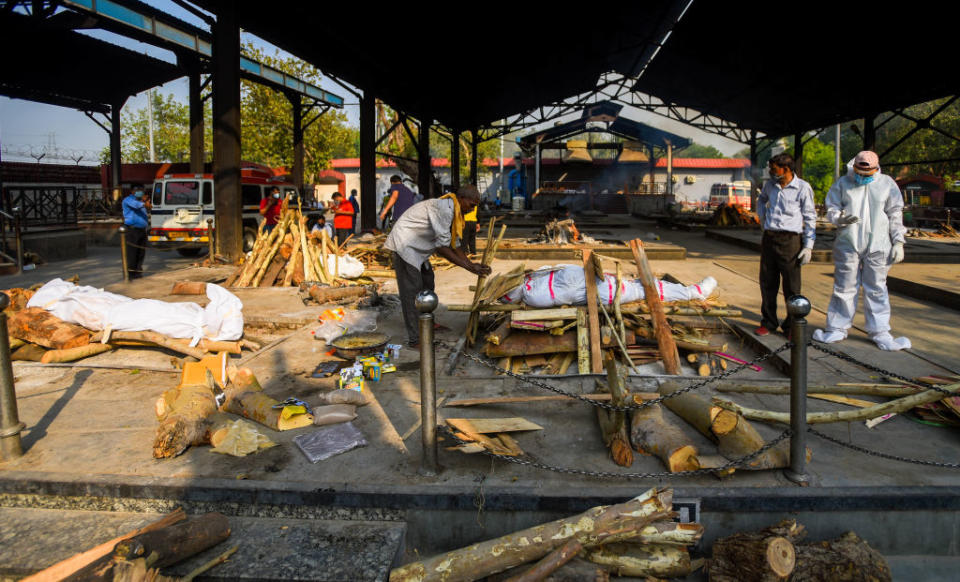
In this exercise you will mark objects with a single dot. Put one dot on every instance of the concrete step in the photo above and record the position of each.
(275, 548)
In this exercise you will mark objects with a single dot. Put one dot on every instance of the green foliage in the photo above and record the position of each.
(923, 145)
(818, 166)
(440, 148)
(266, 126)
(696, 150)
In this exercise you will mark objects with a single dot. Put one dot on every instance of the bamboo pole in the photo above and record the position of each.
(885, 391)
(895, 406)
(294, 257)
(489, 251)
(308, 273)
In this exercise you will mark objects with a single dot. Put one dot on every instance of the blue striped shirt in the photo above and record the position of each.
(789, 208)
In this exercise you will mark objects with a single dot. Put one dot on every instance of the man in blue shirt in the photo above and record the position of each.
(356, 208)
(135, 218)
(789, 222)
(401, 199)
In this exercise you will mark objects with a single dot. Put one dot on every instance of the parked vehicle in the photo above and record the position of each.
(182, 203)
(732, 193)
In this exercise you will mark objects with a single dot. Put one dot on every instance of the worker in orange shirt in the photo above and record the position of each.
(342, 217)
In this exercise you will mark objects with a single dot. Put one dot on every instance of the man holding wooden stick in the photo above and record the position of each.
(428, 227)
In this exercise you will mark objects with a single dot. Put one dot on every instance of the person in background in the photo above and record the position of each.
(342, 217)
(428, 227)
(321, 226)
(135, 207)
(470, 231)
(270, 209)
(788, 219)
(401, 199)
(867, 208)
(356, 210)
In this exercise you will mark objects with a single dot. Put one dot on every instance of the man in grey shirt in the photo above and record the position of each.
(420, 232)
(789, 222)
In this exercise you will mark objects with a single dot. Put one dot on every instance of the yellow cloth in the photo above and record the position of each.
(456, 226)
(471, 216)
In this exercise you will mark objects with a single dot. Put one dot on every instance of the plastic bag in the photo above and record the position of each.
(354, 320)
(343, 397)
(334, 413)
(241, 438)
(328, 441)
(349, 267)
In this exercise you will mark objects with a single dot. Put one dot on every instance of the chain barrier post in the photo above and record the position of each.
(426, 302)
(123, 252)
(10, 425)
(798, 307)
(210, 240)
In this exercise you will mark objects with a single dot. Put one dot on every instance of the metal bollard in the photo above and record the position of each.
(798, 307)
(426, 302)
(210, 240)
(123, 252)
(10, 425)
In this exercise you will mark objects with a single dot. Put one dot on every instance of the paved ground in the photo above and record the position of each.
(97, 425)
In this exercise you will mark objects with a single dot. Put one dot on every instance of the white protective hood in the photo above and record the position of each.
(878, 206)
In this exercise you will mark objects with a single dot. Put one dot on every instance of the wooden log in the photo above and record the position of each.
(189, 288)
(183, 413)
(263, 256)
(613, 424)
(544, 314)
(847, 558)
(308, 274)
(177, 542)
(270, 273)
(15, 343)
(624, 559)
(893, 406)
(583, 342)
(73, 354)
(701, 363)
(576, 570)
(152, 337)
(565, 364)
(593, 317)
(245, 397)
(652, 434)
(65, 568)
(324, 295)
(765, 555)
(529, 343)
(28, 353)
(550, 563)
(668, 348)
(489, 251)
(496, 555)
(499, 333)
(494, 400)
(681, 344)
(735, 437)
(39, 326)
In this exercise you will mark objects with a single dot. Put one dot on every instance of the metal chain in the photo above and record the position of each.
(887, 373)
(734, 464)
(614, 407)
(882, 455)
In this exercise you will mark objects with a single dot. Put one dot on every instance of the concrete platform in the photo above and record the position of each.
(915, 251)
(90, 432)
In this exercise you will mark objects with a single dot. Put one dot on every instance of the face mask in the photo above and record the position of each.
(276, 195)
(774, 176)
(863, 180)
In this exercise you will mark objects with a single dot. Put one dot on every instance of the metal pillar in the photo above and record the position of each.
(197, 153)
(426, 302)
(869, 133)
(798, 307)
(669, 167)
(424, 165)
(754, 170)
(297, 102)
(455, 160)
(474, 144)
(123, 253)
(536, 173)
(653, 170)
(211, 242)
(368, 163)
(798, 154)
(226, 130)
(10, 425)
(116, 158)
(836, 153)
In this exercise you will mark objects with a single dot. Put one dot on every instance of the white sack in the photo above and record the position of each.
(350, 268)
(564, 285)
(97, 309)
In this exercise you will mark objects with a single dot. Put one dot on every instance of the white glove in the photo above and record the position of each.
(896, 254)
(847, 219)
(805, 255)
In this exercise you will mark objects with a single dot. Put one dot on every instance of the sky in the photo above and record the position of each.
(27, 127)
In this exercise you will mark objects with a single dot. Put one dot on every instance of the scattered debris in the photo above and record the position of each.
(733, 215)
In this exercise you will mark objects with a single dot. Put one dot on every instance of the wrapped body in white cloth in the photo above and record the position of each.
(564, 285)
(96, 309)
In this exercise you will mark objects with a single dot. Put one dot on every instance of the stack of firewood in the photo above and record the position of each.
(289, 255)
(636, 538)
(733, 215)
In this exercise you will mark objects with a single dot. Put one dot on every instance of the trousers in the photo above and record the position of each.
(778, 263)
(410, 281)
(136, 250)
(851, 271)
(470, 236)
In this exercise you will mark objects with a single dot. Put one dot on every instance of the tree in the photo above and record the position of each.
(818, 165)
(171, 131)
(696, 150)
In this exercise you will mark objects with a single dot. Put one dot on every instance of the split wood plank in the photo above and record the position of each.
(583, 342)
(593, 317)
(492, 425)
(543, 314)
(668, 348)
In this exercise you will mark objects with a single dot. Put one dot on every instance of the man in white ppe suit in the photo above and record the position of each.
(867, 208)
